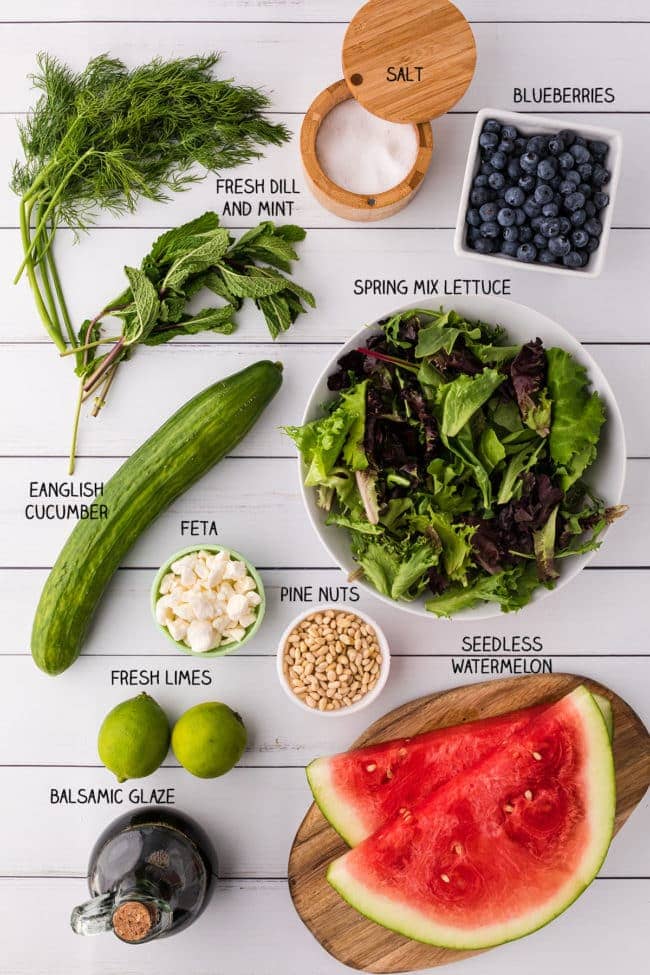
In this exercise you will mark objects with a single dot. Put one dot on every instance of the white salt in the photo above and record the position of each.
(363, 153)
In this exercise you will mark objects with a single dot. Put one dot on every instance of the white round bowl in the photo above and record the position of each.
(606, 476)
(383, 670)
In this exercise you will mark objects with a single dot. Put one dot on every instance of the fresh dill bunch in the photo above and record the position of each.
(105, 137)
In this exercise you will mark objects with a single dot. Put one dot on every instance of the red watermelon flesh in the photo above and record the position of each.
(358, 791)
(502, 848)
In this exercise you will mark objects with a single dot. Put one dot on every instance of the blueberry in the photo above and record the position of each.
(537, 144)
(511, 233)
(491, 125)
(527, 182)
(526, 253)
(585, 170)
(520, 217)
(479, 196)
(539, 240)
(601, 176)
(532, 209)
(567, 187)
(593, 245)
(556, 145)
(550, 210)
(489, 211)
(545, 257)
(566, 161)
(510, 248)
(568, 137)
(550, 227)
(590, 208)
(507, 146)
(506, 217)
(600, 200)
(473, 233)
(514, 169)
(488, 140)
(555, 182)
(543, 193)
(594, 227)
(574, 201)
(525, 234)
(486, 169)
(578, 217)
(598, 149)
(529, 162)
(481, 180)
(559, 246)
(484, 245)
(547, 169)
(473, 217)
(572, 259)
(565, 225)
(585, 189)
(580, 141)
(579, 238)
(580, 152)
(515, 196)
(536, 223)
(496, 181)
(509, 132)
(573, 177)
(499, 160)
(490, 229)
(520, 145)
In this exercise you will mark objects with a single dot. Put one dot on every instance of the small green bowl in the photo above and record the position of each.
(227, 647)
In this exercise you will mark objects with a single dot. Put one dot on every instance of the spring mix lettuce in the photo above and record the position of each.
(456, 461)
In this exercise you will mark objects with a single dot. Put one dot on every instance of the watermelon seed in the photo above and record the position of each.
(370, 768)
(389, 773)
(457, 848)
(537, 756)
(402, 753)
(528, 795)
(445, 878)
(508, 809)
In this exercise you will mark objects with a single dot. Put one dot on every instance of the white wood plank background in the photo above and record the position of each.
(597, 625)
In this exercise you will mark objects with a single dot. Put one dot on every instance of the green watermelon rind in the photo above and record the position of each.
(601, 787)
(341, 814)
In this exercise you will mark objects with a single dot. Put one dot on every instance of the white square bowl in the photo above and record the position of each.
(530, 125)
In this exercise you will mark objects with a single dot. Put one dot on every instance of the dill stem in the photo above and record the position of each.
(91, 345)
(47, 290)
(75, 427)
(56, 337)
(103, 367)
(53, 200)
(56, 281)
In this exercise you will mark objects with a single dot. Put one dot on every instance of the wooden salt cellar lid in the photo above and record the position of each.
(409, 60)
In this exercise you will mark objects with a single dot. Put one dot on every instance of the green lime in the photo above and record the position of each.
(209, 739)
(134, 738)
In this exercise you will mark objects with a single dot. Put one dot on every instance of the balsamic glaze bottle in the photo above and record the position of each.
(149, 875)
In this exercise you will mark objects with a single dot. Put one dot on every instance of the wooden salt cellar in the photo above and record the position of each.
(405, 61)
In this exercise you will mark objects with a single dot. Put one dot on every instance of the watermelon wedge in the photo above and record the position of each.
(503, 847)
(359, 790)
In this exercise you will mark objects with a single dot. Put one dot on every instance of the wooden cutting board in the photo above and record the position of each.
(364, 945)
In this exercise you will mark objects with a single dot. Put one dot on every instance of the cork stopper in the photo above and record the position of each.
(133, 921)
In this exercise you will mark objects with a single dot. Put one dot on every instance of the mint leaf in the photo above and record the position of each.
(146, 306)
(204, 254)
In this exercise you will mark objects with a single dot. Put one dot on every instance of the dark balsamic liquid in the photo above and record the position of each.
(157, 848)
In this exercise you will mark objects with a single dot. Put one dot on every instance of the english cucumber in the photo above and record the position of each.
(177, 455)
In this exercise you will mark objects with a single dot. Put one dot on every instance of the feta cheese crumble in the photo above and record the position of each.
(206, 600)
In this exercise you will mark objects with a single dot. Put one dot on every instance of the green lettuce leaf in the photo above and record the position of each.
(321, 442)
(396, 568)
(464, 396)
(511, 589)
(577, 417)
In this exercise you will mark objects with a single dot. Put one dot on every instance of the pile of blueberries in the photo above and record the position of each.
(538, 198)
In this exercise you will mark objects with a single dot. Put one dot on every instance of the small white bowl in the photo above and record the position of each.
(383, 670)
(538, 125)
